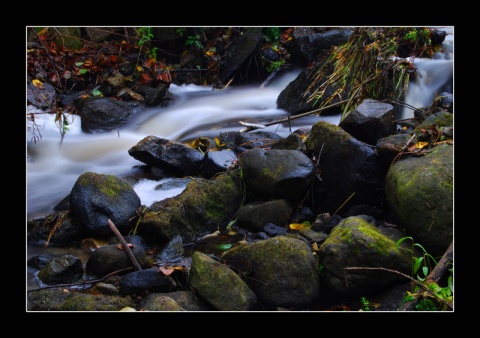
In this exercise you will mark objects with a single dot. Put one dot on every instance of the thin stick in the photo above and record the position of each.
(124, 245)
(289, 118)
(421, 285)
(91, 281)
(340, 207)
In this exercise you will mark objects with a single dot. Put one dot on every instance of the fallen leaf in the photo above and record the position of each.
(421, 145)
(224, 246)
(38, 84)
(166, 271)
(296, 226)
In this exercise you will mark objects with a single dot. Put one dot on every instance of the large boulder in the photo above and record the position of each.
(96, 198)
(356, 243)
(281, 271)
(419, 191)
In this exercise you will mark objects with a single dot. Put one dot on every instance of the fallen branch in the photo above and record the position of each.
(434, 276)
(420, 284)
(289, 118)
(80, 283)
(124, 244)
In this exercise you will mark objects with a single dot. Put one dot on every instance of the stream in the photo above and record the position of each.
(53, 164)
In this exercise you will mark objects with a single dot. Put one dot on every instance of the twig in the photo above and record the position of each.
(127, 37)
(48, 54)
(124, 245)
(437, 273)
(420, 284)
(80, 283)
(343, 204)
(289, 118)
(402, 151)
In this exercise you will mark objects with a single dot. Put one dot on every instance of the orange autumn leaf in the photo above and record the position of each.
(145, 78)
(166, 271)
(210, 52)
(150, 63)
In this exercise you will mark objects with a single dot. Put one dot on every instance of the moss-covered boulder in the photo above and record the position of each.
(355, 243)
(203, 207)
(281, 271)
(219, 285)
(59, 300)
(96, 198)
(419, 191)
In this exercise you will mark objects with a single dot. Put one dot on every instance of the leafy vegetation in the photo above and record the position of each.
(432, 297)
(375, 63)
(146, 34)
(365, 304)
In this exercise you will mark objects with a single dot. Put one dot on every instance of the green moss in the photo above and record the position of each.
(442, 119)
(109, 185)
(323, 131)
(355, 229)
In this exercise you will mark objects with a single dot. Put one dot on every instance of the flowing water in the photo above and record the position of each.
(54, 166)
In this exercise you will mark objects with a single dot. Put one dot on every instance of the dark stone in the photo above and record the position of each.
(151, 280)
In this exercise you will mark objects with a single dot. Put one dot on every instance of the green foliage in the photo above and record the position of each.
(272, 38)
(321, 270)
(140, 214)
(418, 35)
(146, 34)
(181, 31)
(62, 122)
(273, 66)
(272, 34)
(194, 40)
(437, 298)
(365, 304)
(369, 65)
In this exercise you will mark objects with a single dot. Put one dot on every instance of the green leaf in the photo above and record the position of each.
(421, 247)
(78, 64)
(96, 92)
(450, 283)
(401, 240)
(224, 246)
(425, 271)
(417, 263)
(83, 71)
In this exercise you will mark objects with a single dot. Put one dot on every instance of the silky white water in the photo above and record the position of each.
(54, 166)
